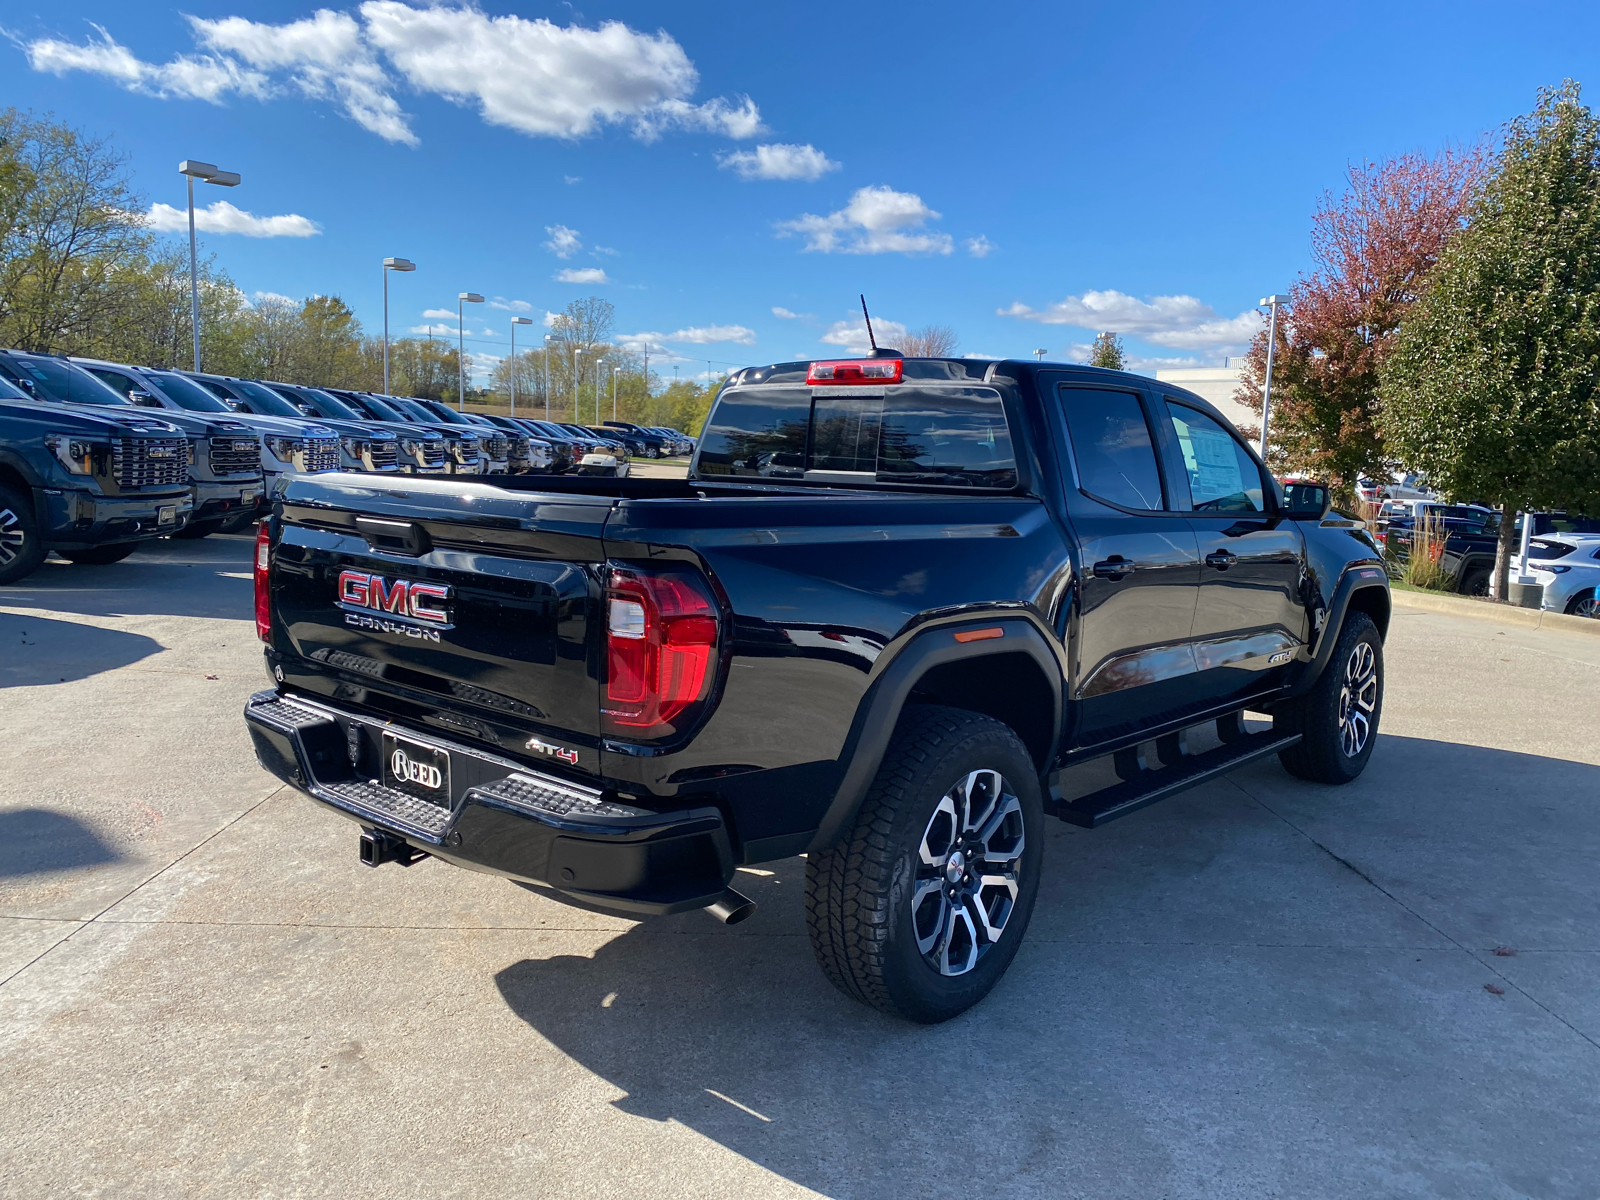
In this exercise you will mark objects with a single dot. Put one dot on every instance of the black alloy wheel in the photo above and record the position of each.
(21, 551)
(1475, 582)
(920, 906)
(1338, 718)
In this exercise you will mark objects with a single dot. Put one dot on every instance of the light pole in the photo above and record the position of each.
(193, 170)
(515, 321)
(462, 301)
(614, 371)
(1039, 354)
(1266, 388)
(576, 355)
(390, 264)
(547, 377)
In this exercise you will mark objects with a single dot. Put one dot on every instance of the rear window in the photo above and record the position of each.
(948, 436)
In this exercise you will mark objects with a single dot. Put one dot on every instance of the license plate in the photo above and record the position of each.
(248, 496)
(167, 515)
(416, 770)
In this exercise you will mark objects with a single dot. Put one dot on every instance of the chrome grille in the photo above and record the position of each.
(497, 447)
(319, 454)
(235, 456)
(466, 452)
(149, 462)
(434, 454)
(383, 456)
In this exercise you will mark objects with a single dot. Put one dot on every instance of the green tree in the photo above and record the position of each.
(1490, 388)
(1373, 247)
(1107, 352)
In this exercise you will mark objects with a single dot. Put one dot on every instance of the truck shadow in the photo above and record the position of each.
(38, 650)
(1203, 987)
(209, 577)
(34, 840)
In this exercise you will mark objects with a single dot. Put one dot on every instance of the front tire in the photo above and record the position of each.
(1475, 582)
(99, 556)
(920, 907)
(1338, 718)
(1584, 604)
(21, 551)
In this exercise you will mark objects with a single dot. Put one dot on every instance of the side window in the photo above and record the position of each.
(115, 380)
(1222, 475)
(1111, 443)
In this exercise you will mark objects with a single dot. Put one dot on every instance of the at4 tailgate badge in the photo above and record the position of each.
(369, 601)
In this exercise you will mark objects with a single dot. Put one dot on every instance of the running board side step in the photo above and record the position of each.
(1148, 786)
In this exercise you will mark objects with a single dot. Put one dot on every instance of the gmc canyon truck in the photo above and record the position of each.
(894, 607)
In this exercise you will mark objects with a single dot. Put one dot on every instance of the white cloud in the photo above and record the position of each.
(979, 247)
(1178, 322)
(852, 334)
(550, 319)
(532, 76)
(785, 314)
(516, 306)
(877, 220)
(572, 179)
(223, 217)
(640, 343)
(779, 161)
(436, 330)
(564, 242)
(438, 313)
(606, 250)
(705, 335)
(186, 77)
(581, 275)
(272, 298)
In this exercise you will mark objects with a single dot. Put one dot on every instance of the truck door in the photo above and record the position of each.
(1250, 620)
(1130, 644)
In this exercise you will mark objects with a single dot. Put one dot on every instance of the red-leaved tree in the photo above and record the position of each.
(1371, 247)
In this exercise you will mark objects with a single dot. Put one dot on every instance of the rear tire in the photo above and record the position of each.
(1475, 582)
(99, 556)
(21, 551)
(1338, 718)
(920, 907)
(1584, 604)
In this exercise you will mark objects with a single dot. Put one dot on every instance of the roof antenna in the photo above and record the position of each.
(876, 351)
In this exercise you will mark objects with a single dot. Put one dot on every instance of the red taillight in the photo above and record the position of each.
(263, 561)
(864, 370)
(661, 650)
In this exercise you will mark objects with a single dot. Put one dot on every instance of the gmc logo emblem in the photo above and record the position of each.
(402, 597)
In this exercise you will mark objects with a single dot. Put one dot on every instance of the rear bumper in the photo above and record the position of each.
(503, 817)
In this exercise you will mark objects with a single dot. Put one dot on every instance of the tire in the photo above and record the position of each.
(99, 556)
(1475, 582)
(198, 529)
(21, 551)
(878, 902)
(1584, 604)
(1338, 718)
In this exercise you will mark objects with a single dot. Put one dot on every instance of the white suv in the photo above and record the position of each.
(1568, 566)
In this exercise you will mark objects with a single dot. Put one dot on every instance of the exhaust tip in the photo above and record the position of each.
(730, 908)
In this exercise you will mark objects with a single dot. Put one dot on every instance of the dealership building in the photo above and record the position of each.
(1216, 384)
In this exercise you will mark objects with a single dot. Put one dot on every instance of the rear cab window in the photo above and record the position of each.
(916, 433)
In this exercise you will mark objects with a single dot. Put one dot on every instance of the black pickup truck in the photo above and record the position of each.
(894, 607)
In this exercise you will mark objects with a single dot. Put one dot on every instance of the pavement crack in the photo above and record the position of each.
(1457, 943)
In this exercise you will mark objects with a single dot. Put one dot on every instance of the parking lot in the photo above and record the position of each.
(1259, 988)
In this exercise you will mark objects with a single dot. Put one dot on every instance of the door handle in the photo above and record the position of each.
(1221, 559)
(1113, 568)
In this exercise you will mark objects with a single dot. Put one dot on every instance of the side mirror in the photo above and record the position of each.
(28, 386)
(1306, 501)
(143, 399)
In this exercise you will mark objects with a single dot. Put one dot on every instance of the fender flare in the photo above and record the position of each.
(1355, 579)
(20, 464)
(879, 710)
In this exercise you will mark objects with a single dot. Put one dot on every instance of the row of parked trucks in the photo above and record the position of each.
(96, 456)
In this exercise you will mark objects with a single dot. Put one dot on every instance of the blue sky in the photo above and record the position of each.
(1027, 174)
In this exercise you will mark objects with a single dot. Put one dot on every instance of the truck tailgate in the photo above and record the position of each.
(483, 598)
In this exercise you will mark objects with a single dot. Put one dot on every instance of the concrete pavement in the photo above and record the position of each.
(1260, 988)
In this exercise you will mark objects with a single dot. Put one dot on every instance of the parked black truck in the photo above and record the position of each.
(892, 609)
(90, 484)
